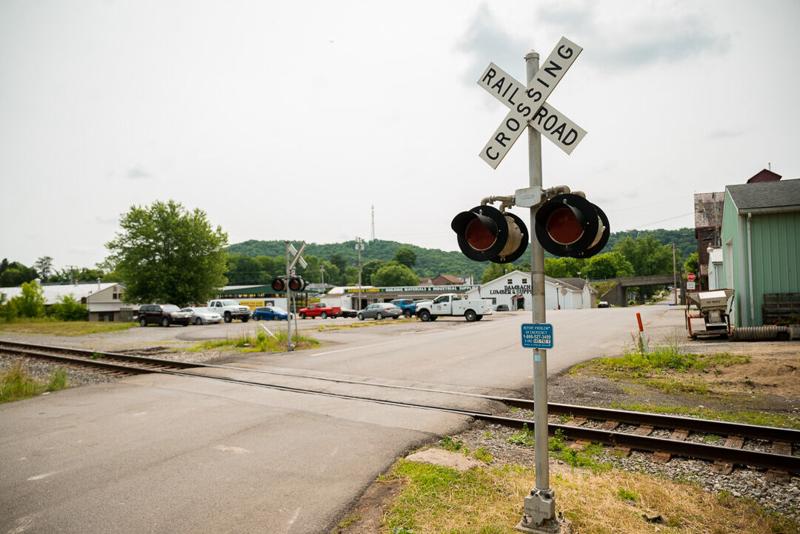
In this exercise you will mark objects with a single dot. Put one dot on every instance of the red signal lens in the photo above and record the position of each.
(295, 284)
(563, 226)
(478, 236)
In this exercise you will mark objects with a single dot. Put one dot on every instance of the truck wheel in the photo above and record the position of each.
(245, 319)
(323, 315)
(228, 317)
(142, 322)
(407, 313)
(378, 316)
(424, 316)
(360, 317)
(470, 315)
(303, 316)
(198, 321)
(164, 322)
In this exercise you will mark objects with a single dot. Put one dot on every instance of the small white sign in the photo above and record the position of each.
(689, 286)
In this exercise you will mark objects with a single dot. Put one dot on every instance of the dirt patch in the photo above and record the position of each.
(368, 514)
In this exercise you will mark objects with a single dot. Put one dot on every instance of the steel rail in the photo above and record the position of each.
(633, 441)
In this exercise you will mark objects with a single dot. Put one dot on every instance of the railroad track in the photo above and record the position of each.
(626, 430)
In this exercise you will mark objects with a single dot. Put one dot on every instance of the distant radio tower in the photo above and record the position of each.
(372, 232)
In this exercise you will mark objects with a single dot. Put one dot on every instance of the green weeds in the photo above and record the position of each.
(738, 416)
(260, 343)
(16, 384)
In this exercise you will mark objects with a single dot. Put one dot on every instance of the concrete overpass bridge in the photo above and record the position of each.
(616, 295)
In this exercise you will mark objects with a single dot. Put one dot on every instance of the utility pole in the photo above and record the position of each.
(289, 342)
(322, 274)
(359, 248)
(674, 275)
(539, 513)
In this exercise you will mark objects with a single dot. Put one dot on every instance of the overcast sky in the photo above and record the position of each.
(289, 119)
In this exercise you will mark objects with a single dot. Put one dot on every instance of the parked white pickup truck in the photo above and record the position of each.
(230, 310)
(453, 304)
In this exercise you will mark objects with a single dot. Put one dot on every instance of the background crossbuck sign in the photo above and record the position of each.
(528, 105)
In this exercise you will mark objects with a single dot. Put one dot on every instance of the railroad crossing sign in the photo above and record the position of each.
(297, 256)
(528, 105)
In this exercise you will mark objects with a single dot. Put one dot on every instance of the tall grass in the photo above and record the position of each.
(16, 384)
(261, 342)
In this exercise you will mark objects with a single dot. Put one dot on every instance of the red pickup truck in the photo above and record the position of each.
(320, 310)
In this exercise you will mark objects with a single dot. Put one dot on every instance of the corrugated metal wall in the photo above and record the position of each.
(776, 256)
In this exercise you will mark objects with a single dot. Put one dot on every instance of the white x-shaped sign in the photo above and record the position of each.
(528, 105)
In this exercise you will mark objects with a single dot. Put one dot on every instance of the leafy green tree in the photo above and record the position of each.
(30, 303)
(395, 274)
(369, 268)
(607, 265)
(406, 256)
(646, 254)
(14, 273)
(69, 309)
(44, 266)
(8, 311)
(495, 270)
(692, 263)
(339, 261)
(165, 253)
(72, 274)
(563, 267)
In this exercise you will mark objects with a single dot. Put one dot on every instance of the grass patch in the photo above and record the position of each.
(738, 416)
(262, 342)
(559, 449)
(660, 360)
(53, 327)
(16, 384)
(483, 455)
(488, 500)
(450, 444)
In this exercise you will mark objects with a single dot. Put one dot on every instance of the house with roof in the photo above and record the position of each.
(105, 301)
(514, 291)
(441, 280)
(761, 246)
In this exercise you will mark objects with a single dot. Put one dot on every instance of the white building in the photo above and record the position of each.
(104, 301)
(514, 290)
(715, 274)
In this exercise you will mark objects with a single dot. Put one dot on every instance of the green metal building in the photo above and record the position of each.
(760, 245)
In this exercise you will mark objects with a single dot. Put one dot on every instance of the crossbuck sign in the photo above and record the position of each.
(528, 105)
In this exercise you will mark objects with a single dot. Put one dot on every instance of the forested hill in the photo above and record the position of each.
(431, 262)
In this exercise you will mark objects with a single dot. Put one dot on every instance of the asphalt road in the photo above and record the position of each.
(180, 454)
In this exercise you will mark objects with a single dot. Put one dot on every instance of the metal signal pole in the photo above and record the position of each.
(540, 505)
(674, 275)
(289, 343)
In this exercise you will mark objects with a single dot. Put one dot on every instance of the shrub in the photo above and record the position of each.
(69, 309)
(31, 302)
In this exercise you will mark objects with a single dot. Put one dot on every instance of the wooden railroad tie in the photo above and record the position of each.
(643, 430)
(725, 468)
(679, 434)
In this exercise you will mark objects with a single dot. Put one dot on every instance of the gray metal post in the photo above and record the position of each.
(539, 506)
(289, 343)
(674, 275)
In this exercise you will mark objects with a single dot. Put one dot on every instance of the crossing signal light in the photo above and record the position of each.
(569, 225)
(296, 283)
(486, 233)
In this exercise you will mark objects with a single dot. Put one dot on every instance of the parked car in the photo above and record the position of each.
(379, 310)
(318, 309)
(201, 315)
(270, 313)
(603, 304)
(230, 310)
(408, 306)
(501, 307)
(163, 314)
(347, 312)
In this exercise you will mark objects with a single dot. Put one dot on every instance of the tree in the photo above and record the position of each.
(692, 263)
(72, 274)
(495, 270)
(69, 309)
(406, 256)
(395, 274)
(607, 265)
(30, 303)
(14, 273)
(44, 266)
(646, 254)
(563, 267)
(165, 253)
(369, 269)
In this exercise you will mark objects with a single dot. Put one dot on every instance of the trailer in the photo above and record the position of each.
(708, 313)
